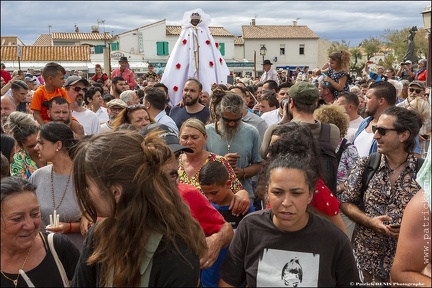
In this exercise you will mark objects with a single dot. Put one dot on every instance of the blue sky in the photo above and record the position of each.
(332, 20)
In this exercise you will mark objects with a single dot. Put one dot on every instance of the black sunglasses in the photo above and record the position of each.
(78, 89)
(381, 130)
(227, 120)
(416, 90)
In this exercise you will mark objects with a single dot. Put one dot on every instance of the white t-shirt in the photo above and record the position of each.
(352, 129)
(88, 120)
(271, 117)
(363, 142)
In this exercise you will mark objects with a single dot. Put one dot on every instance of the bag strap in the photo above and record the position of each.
(344, 145)
(372, 165)
(146, 263)
(57, 260)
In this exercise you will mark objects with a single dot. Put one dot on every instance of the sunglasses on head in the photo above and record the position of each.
(382, 130)
(78, 89)
(416, 90)
(227, 120)
(136, 106)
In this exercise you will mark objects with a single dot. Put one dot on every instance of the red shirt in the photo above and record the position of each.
(207, 216)
(6, 76)
(127, 74)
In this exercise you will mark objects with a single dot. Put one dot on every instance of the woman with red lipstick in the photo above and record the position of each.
(266, 240)
(26, 256)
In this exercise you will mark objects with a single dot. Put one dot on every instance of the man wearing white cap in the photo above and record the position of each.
(406, 72)
(114, 107)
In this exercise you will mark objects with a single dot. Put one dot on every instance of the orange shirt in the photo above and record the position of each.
(41, 95)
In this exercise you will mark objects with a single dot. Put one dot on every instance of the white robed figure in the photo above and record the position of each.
(195, 55)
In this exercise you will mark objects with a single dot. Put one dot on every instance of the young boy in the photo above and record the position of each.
(215, 184)
(53, 74)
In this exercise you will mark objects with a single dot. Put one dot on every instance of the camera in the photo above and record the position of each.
(403, 63)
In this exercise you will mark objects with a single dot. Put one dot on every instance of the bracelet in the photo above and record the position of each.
(70, 227)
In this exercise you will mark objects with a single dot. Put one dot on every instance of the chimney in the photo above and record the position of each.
(294, 23)
(95, 29)
(253, 22)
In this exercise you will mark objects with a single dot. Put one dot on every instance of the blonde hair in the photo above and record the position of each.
(196, 124)
(333, 114)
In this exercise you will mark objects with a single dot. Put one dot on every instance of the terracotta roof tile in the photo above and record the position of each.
(43, 40)
(46, 53)
(277, 32)
(81, 36)
(238, 40)
(215, 31)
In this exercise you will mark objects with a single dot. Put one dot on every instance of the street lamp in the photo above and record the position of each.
(263, 51)
(427, 25)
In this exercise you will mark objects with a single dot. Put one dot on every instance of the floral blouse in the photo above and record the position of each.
(335, 76)
(348, 160)
(183, 177)
(23, 165)
(374, 251)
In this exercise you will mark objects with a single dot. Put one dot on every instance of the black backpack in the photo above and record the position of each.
(329, 161)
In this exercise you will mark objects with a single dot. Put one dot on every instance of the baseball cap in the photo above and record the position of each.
(408, 61)
(72, 80)
(168, 135)
(30, 78)
(304, 93)
(417, 83)
(117, 102)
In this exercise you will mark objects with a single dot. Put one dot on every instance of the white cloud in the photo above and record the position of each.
(333, 20)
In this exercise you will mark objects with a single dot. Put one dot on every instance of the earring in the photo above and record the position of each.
(57, 150)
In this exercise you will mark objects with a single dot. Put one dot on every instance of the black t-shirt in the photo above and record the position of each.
(318, 255)
(180, 115)
(46, 274)
(170, 269)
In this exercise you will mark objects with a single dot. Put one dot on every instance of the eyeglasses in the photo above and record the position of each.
(418, 91)
(116, 109)
(78, 89)
(227, 120)
(382, 130)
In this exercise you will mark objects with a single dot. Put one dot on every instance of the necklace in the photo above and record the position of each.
(392, 170)
(52, 189)
(229, 144)
(22, 266)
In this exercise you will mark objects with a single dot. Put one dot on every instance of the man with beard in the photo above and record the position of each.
(380, 96)
(192, 108)
(118, 86)
(76, 87)
(59, 111)
(237, 141)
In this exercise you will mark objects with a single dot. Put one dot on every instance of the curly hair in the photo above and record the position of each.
(333, 114)
(343, 58)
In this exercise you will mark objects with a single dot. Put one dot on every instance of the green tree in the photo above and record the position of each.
(371, 46)
(338, 46)
(396, 40)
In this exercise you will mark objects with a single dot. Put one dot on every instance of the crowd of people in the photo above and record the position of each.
(312, 180)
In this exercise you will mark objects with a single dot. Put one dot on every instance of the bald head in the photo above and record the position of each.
(7, 107)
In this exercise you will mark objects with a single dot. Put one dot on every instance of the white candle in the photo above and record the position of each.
(55, 218)
(51, 220)
(58, 220)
